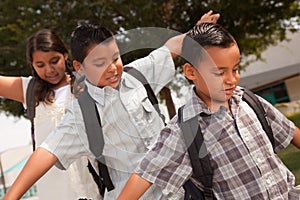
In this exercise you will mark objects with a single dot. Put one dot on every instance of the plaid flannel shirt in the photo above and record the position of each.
(242, 157)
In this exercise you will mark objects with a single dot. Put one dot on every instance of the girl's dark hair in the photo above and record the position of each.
(204, 35)
(46, 40)
(84, 36)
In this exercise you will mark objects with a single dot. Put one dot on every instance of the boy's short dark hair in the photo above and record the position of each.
(201, 36)
(86, 35)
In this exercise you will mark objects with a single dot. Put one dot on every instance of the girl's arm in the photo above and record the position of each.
(37, 165)
(135, 187)
(11, 88)
(296, 138)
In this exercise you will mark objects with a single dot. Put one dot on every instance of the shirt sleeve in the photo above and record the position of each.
(158, 68)
(68, 141)
(167, 164)
(283, 129)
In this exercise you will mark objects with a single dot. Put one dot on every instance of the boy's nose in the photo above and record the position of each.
(230, 79)
(112, 67)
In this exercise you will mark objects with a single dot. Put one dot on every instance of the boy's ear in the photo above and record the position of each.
(77, 66)
(189, 71)
(66, 56)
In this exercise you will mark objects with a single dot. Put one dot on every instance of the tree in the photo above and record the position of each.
(255, 24)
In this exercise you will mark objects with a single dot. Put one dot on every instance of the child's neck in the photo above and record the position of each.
(215, 106)
(65, 81)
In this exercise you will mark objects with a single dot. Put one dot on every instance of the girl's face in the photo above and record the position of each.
(50, 67)
(103, 65)
(216, 78)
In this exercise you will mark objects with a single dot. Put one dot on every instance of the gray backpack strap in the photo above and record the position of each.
(251, 99)
(151, 96)
(94, 132)
(202, 170)
(31, 104)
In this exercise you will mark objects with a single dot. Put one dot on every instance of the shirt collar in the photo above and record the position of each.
(237, 94)
(236, 99)
(196, 106)
(97, 93)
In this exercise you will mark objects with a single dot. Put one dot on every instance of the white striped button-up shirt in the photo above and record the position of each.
(129, 121)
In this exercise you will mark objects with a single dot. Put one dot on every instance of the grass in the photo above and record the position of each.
(290, 156)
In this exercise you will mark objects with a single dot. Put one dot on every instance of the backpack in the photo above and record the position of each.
(31, 104)
(193, 137)
(33, 83)
(92, 123)
(93, 126)
(94, 132)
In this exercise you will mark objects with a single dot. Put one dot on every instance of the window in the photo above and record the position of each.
(276, 93)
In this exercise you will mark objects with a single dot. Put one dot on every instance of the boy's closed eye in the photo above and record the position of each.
(99, 62)
(116, 59)
(221, 71)
(235, 70)
(102, 62)
(218, 72)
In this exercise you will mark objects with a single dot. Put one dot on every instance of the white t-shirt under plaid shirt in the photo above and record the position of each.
(240, 152)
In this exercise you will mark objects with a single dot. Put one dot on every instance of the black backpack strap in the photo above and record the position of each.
(31, 104)
(139, 76)
(202, 170)
(252, 100)
(94, 132)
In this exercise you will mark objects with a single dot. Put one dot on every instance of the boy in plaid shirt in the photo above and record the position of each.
(241, 155)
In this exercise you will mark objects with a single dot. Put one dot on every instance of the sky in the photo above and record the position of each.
(14, 132)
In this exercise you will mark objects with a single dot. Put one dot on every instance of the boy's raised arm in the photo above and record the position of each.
(37, 165)
(296, 138)
(174, 44)
(135, 187)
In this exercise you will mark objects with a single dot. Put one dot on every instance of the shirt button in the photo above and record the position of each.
(258, 159)
(247, 138)
(268, 181)
(165, 192)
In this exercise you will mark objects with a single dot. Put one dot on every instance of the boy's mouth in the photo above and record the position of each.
(113, 78)
(229, 91)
